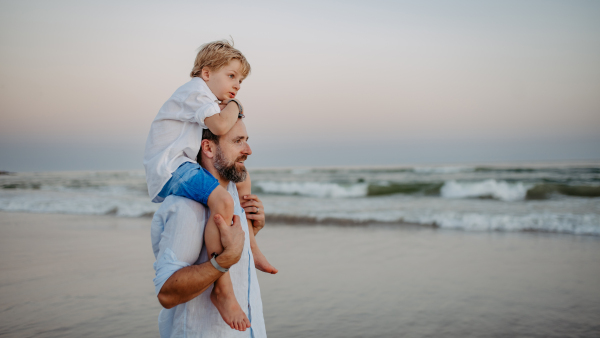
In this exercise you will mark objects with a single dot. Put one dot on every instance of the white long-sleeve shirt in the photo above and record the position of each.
(176, 133)
(177, 235)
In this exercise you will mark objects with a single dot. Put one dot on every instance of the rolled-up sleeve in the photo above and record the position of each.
(197, 107)
(177, 236)
(165, 267)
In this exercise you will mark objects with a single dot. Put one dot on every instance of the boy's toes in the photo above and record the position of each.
(264, 266)
(241, 325)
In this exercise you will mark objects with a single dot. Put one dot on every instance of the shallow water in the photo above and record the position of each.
(389, 282)
(75, 276)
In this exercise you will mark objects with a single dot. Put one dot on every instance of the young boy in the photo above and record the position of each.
(206, 102)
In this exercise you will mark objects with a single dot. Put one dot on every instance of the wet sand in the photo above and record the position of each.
(73, 276)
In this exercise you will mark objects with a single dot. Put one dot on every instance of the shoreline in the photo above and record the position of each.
(285, 220)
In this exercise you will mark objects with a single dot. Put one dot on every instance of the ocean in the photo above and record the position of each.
(507, 197)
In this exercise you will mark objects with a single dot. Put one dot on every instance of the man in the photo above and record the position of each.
(183, 270)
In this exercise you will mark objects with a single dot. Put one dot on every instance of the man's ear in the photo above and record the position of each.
(205, 73)
(208, 148)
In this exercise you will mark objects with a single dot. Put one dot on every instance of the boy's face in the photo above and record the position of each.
(225, 82)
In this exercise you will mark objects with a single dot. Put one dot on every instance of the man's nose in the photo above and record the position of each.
(247, 150)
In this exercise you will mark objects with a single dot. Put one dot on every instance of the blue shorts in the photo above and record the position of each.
(191, 181)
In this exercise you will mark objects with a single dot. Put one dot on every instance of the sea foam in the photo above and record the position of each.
(312, 189)
(500, 190)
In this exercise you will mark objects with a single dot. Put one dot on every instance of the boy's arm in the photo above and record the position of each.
(219, 124)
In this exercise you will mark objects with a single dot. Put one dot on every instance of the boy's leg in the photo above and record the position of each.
(219, 202)
(260, 261)
(224, 300)
(222, 296)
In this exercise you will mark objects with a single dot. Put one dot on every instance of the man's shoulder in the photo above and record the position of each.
(180, 207)
(177, 215)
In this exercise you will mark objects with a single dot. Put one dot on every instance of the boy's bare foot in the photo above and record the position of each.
(230, 310)
(261, 262)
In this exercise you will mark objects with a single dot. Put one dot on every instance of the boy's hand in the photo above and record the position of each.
(237, 104)
(254, 211)
(224, 104)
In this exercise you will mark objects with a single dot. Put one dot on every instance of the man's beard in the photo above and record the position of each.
(228, 170)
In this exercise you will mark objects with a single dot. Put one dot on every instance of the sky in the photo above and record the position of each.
(333, 83)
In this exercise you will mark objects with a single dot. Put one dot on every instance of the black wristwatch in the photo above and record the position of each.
(241, 113)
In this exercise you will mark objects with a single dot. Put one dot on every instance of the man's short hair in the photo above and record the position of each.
(216, 55)
(208, 135)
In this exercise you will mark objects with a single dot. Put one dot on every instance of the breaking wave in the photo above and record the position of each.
(80, 203)
(490, 189)
(499, 190)
(544, 191)
(442, 170)
(553, 198)
(587, 224)
(312, 189)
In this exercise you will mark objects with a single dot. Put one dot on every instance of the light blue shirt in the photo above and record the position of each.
(178, 241)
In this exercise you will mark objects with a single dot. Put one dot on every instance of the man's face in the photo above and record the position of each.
(232, 152)
(225, 82)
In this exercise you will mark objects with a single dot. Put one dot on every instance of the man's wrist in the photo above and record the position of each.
(224, 260)
(217, 266)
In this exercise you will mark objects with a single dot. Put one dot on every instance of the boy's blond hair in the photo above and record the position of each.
(216, 55)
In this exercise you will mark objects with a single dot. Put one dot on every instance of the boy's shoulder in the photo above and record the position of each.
(194, 85)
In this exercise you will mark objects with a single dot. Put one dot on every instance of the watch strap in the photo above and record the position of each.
(214, 263)
(240, 107)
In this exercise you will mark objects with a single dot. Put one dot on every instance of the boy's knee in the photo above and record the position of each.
(221, 200)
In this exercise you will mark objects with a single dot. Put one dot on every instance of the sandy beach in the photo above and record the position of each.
(74, 276)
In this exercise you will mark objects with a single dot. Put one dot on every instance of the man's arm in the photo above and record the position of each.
(255, 212)
(189, 282)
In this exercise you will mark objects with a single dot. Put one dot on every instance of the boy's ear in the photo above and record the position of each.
(205, 73)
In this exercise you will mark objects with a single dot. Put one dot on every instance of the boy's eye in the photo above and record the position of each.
(231, 76)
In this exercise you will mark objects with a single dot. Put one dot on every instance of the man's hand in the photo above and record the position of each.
(254, 211)
(232, 239)
(187, 283)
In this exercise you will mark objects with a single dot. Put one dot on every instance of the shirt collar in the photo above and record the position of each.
(204, 87)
